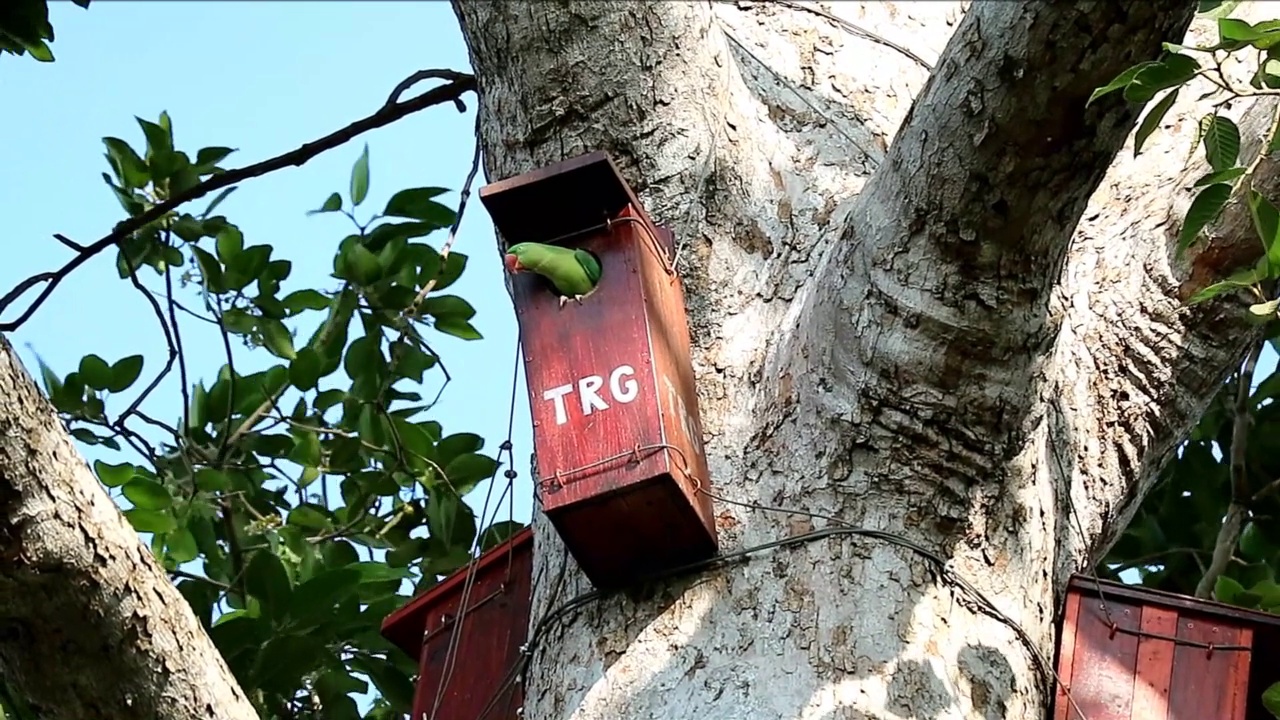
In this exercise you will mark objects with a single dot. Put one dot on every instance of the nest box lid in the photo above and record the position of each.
(559, 200)
(406, 626)
(1148, 596)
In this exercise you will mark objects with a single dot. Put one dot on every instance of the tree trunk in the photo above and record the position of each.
(90, 625)
(932, 302)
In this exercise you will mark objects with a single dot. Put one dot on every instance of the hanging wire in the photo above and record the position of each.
(455, 638)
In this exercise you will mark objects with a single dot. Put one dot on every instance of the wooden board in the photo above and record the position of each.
(1155, 664)
(486, 634)
(1103, 663)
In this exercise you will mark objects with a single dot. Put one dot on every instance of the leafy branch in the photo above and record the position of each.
(393, 110)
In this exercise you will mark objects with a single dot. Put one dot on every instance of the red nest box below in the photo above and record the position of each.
(486, 633)
(616, 429)
(1130, 653)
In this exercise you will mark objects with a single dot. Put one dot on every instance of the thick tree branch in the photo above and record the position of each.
(124, 643)
(393, 110)
(963, 228)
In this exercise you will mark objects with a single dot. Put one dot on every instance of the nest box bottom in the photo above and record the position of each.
(635, 532)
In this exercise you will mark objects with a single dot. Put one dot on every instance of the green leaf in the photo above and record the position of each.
(277, 339)
(417, 204)
(159, 147)
(95, 372)
(411, 362)
(1226, 176)
(125, 372)
(113, 475)
(1271, 699)
(362, 266)
(1204, 210)
(212, 479)
(467, 470)
(299, 300)
(265, 579)
(312, 517)
(182, 545)
(1152, 120)
(1172, 71)
(246, 266)
(360, 177)
(1221, 142)
(1226, 590)
(284, 660)
(208, 157)
(1253, 542)
(152, 521)
(1121, 81)
(217, 200)
(458, 328)
(52, 383)
(498, 533)
(210, 270)
(447, 306)
(449, 520)
(458, 444)
(131, 169)
(316, 597)
(392, 683)
(147, 494)
(230, 243)
(1216, 8)
(333, 203)
(304, 370)
(1266, 222)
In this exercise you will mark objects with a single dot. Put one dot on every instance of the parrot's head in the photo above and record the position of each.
(512, 258)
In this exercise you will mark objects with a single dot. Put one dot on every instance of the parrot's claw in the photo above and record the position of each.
(563, 299)
(578, 298)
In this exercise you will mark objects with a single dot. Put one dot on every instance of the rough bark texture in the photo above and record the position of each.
(937, 304)
(90, 625)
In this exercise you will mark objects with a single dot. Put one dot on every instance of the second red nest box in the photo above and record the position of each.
(616, 430)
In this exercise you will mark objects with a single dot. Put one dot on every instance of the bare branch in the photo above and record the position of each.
(1238, 510)
(457, 222)
(387, 114)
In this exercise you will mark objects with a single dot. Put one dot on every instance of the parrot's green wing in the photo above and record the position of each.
(590, 265)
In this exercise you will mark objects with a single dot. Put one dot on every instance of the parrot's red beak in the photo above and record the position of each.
(513, 263)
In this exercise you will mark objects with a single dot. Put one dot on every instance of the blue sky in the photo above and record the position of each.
(263, 78)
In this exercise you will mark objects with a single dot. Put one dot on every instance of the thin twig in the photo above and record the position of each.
(168, 339)
(68, 242)
(1238, 510)
(182, 360)
(457, 222)
(231, 380)
(385, 115)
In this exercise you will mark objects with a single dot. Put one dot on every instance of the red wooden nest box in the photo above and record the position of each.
(486, 651)
(1167, 656)
(616, 430)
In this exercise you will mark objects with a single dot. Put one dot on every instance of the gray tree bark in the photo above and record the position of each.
(90, 625)
(929, 296)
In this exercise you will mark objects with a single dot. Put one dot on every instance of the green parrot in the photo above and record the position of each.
(574, 273)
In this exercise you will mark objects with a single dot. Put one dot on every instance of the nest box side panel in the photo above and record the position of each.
(1066, 654)
(1205, 683)
(492, 629)
(673, 375)
(1104, 664)
(1154, 673)
(587, 366)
